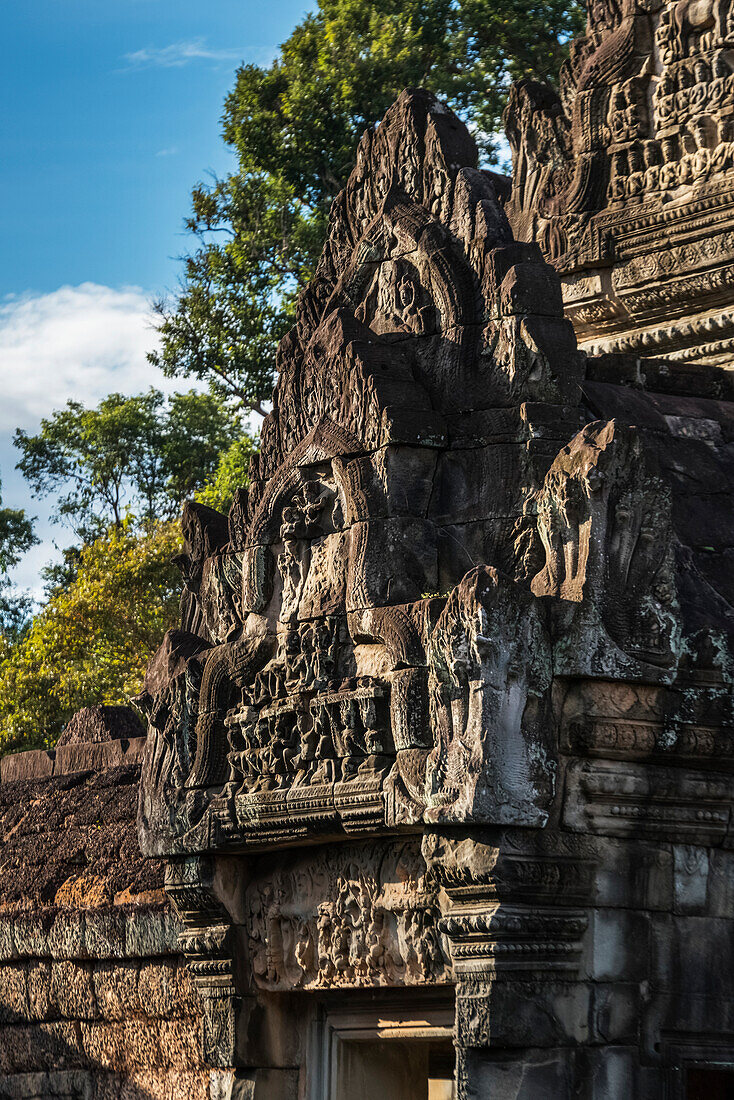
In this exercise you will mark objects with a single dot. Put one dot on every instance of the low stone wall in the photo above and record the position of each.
(94, 999)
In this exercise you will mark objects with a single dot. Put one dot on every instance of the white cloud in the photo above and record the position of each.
(81, 342)
(78, 341)
(178, 54)
(170, 152)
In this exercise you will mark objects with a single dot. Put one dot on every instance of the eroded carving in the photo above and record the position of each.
(365, 917)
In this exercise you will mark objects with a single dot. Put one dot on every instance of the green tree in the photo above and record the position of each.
(294, 127)
(232, 473)
(16, 537)
(141, 455)
(91, 642)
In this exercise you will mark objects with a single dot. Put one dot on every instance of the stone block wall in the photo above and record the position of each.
(94, 999)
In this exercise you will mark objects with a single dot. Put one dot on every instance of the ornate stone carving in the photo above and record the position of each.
(456, 673)
(490, 677)
(605, 523)
(206, 942)
(636, 154)
(305, 708)
(365, 917)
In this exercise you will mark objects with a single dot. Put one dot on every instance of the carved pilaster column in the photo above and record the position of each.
(515, 927)
(206, 943)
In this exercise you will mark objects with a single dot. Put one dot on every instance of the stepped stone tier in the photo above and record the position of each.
(441, 757)
(626, 178)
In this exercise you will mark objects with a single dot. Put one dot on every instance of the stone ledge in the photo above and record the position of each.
(111, 933)
(67, 759)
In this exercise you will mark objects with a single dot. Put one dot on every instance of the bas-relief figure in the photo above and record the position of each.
(449, 712)
(625, 178)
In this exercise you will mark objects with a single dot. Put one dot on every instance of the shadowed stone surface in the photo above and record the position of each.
(101, 723)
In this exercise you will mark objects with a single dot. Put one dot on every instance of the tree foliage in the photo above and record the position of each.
(141, 455)
(16, 537)
(232, 473)
(294, 127)
(120, 472)
(91, 642)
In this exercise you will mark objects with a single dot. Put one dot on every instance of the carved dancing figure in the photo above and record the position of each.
(273, 944)
(325, 770)
(325, 935)
(349, 713)
(372, 732)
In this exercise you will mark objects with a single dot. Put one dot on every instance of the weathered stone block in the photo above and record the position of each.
(41, 1006)
(392, 481)
(690, 888)
(7, 939)
(484, 482)
(616, 1011)
(516, 1014)
(68, 935)
(116, 989)
(159, 989)
(265, 1084)
(72, 990)
(46, 1046)
(326, 582)
(34, 764)
(543, 1073)
(148, 932)
(391, 561)
(402, 424)
(13, 993)
(620, 945)
(531, 288)
(633, 874)
(105, 933)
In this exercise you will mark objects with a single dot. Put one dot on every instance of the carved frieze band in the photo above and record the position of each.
(513, 941)
(620, 740)
(355, 917)
(624, 799)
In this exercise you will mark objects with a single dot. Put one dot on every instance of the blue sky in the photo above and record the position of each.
(110, 114)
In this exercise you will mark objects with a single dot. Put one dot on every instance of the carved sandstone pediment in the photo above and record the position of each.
(370, 643)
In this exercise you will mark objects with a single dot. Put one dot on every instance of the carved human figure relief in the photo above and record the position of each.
(490, 680)
(330, 921)
(604, 517)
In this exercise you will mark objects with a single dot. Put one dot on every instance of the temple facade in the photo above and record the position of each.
(435, 799)
(441, 758)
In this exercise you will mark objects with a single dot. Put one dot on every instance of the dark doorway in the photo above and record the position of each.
(710, 1084)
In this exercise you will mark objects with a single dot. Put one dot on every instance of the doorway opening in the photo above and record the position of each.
(710, 1084)
(387, 1054)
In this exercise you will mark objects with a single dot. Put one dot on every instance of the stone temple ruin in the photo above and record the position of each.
(440, 760)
